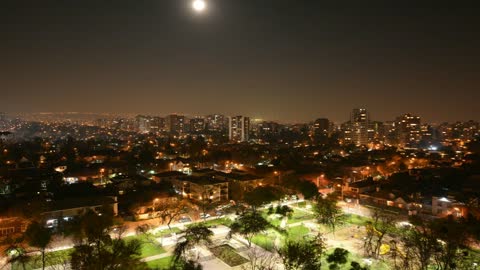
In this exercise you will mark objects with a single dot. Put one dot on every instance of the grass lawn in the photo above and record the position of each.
(51, 258)
(267, 240)
(377, 265)
(150, 247)
(300, 204)
(167, 232)
(228, 255)
(160, 264)
(219, 221)
(273, 219)
(298, 233)
(299, 216)
(355, 219)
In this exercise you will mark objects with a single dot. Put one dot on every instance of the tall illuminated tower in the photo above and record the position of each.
(239, 128)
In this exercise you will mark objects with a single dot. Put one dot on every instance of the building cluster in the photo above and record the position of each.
(215, 159)
(431, 204)
(406, 131)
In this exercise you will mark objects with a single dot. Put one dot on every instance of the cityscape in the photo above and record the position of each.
(192, 175)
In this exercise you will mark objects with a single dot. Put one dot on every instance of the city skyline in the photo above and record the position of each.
(239, 134)
(58, 116)
(269, 60)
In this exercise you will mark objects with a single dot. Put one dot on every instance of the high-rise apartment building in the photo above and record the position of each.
(175, 124)
(359, 126)
(376, 132)
(142, 123)
(322, 127)
(216, 123)
(408, 130)
(197, 125)
(157, 124)
(239, 128)
(264, 129)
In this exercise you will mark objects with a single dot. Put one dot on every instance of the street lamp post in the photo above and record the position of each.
(155, 202)
(278, 175)
(102, 171)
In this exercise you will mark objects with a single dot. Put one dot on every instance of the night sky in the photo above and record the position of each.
(287, 60)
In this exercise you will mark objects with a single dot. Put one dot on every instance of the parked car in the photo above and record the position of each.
(185, 219)
(203, 215)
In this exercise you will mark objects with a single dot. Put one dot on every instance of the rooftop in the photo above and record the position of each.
(169, 174)
(238, 176)
(80, 202)
(203, 180)
(363, 183)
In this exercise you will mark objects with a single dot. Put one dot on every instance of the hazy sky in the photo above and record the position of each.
(290, 60)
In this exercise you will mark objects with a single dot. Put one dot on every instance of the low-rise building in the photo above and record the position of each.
(12, 226)
(446, 206)
(389, 199)
(70, 208)
(359, 187)
(167, 176)
(83, 175)
(202, 188)
(244, 179)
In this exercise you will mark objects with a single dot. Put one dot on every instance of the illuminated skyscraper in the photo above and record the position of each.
(157, 124)
(216, 123)
(142, 123)
(359, 124)
(197, 125)
(408, 130)
(322, 127)
(175, 124)
(239, 128)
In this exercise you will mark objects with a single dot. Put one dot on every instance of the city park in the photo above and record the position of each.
(337, 234)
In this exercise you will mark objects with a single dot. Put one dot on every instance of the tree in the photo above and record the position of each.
(95, 249)
(185, 265)
(328, 212)
(308, 189)
(452, 239)
(261, 195)
(125, 254)
(380, 225)
(193, 235)
(260, 260)
(284, 211)
(337, 258)
(248, 225)
(145, 231)
(118, 254)
(356, 266)
(38, 236)
(305, 255)
(17, 256)
(171, 209)
(419, 244)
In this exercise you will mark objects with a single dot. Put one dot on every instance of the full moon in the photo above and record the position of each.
(199, 5)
